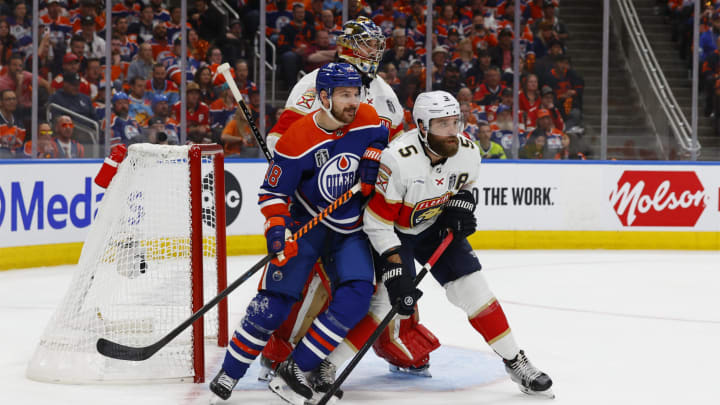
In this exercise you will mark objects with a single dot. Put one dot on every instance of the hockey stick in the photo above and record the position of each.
(224, 69)
(122, 352)
(381, 327)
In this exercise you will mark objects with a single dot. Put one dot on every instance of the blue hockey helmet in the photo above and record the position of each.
(335, 75)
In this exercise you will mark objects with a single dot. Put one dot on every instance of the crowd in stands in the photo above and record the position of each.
(681, 17)
(472, 57)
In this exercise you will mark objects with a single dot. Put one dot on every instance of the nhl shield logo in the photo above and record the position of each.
(337, 175)
(321, 157)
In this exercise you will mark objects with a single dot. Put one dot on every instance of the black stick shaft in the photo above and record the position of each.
(383, 324)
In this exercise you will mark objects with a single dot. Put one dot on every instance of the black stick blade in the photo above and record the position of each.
(122, 352)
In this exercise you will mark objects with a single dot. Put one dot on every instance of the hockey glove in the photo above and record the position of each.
(368, 168)
(400, 286)
(459, 214)
(277, 236)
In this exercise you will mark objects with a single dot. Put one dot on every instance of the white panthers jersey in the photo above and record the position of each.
(410, 193)
(303, 100)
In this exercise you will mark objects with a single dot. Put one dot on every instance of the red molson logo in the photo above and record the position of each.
(654, 198)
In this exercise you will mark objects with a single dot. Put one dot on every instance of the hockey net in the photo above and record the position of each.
(153, 256)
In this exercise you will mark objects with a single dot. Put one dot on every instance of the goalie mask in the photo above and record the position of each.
(362, 44)
(430, 106)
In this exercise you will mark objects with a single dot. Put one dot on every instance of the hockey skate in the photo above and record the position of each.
(422, 371)
(290, 383)
(222, 385)
(267, 372)
(321, 380)
(530, 380)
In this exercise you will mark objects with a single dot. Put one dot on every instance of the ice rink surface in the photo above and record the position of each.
(609, 327)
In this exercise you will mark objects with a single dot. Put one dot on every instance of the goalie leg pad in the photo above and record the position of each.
(349, 305)
(316, 294)
(406, 343)
(264, 314)
(472, 294)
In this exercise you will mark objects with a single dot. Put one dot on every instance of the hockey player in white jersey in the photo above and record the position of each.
(361, 44)
(424, 187)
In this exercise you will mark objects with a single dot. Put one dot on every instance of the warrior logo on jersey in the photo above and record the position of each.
(321, 157)
(307, 99)
(338, 175)
(427, 209)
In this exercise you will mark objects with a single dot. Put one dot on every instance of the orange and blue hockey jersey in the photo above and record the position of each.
(313, 167)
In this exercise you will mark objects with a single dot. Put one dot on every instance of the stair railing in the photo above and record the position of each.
(660, 102)
(269, 65)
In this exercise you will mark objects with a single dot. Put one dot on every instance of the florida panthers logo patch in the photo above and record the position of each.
(428, 209)
(307, 99)
(338, 175)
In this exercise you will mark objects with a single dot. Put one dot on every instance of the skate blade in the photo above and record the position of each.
(548, 393)
(424, 372)
(278, 386)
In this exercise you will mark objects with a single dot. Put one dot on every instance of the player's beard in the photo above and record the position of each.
(346, 115)
(445, 146)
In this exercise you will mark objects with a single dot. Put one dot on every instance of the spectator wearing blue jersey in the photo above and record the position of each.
(708, 39)
(125, 130)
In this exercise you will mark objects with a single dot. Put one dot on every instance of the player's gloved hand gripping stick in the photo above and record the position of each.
(381, 327)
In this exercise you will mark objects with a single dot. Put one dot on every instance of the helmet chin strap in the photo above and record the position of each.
(329, 113)
(426, 143)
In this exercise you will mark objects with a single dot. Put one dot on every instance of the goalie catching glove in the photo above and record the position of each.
(278, 238)
(459, 214)
(400, 284)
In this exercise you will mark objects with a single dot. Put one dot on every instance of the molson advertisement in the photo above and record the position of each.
(55, 202)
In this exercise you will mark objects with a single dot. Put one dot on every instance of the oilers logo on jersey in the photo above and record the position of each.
(338, 175)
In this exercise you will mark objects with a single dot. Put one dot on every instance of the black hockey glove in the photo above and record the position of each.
(400, 286)
(459, 214)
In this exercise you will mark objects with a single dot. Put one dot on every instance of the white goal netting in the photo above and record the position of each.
(134, 278)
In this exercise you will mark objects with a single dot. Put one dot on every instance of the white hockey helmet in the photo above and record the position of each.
(433, 104)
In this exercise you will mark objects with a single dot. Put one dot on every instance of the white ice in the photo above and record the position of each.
(610, 327)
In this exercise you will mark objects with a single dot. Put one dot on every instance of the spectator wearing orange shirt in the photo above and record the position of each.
(159, 41)
(385, 17)
(329, 24)
(46, 148)
(237, 139)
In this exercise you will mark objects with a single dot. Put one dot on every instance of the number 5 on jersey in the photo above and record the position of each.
(272, 176)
